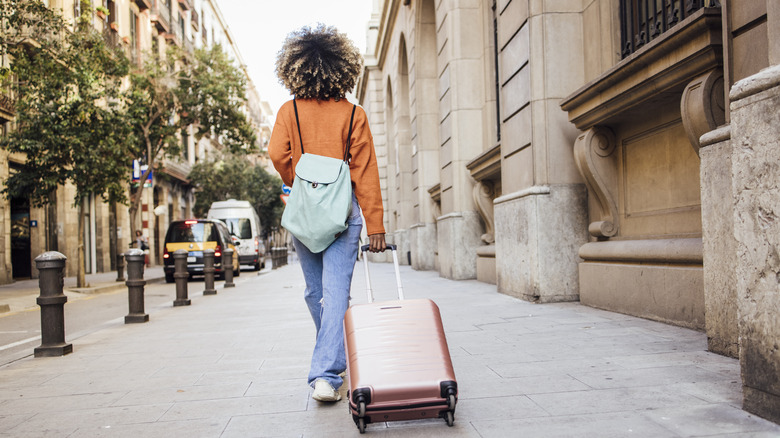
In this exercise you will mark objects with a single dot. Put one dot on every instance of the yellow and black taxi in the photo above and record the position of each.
(195, 236)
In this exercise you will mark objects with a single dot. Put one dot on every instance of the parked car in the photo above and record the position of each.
(195, 236)
(242, 221)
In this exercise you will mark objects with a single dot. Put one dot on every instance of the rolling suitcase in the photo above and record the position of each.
(398, 362)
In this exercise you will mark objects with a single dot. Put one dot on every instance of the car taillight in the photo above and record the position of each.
(166, 255)
(218, 251)
(257, 245)
(190, 222)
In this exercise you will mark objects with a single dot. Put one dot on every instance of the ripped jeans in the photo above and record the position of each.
(328, 278)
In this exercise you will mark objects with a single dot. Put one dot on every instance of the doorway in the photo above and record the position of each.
(21, 254)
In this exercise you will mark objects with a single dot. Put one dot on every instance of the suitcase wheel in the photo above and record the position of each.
(451, 401)
(361, 409)
(449, 418)
(361, 424)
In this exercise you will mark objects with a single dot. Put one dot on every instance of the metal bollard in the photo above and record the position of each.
(52, 302)
(208, 272)
(135, 286)
(227, 267)
(181, 275)
(120, 267)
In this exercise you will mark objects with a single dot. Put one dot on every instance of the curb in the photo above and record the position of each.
(94, 290)
(109, 287)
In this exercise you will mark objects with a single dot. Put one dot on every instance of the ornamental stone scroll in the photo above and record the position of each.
(594, 153)
(703, 106)
(483, 198)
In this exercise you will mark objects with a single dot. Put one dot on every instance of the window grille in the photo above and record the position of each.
(641, 21)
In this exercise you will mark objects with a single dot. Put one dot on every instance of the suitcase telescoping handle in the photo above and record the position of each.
(369, 292)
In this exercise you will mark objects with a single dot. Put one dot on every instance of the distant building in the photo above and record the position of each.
(141, 27)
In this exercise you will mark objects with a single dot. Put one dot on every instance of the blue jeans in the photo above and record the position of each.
(328, 277)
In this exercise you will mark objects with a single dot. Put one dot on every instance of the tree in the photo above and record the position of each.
(231, 176)
(207, 92)
(69, 122)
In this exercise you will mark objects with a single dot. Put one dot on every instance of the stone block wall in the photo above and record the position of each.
(719, 246)
(755, 124)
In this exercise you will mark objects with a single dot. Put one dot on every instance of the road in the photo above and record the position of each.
(20, 332)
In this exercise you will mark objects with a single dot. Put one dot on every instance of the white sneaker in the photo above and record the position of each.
(324, 392)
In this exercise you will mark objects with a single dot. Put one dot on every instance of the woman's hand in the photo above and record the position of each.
(376, 243)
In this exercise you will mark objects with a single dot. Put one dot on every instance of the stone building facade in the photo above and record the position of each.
(622, 153)
(140, 27)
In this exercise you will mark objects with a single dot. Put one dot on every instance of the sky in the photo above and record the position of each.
(260, 26)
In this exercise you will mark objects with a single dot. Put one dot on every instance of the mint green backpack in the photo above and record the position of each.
(321, 198)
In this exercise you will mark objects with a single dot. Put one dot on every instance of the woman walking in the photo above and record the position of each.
(319, 66)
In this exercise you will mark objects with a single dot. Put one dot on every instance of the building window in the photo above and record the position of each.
(642, 21)
(134, 37)
(185, 145)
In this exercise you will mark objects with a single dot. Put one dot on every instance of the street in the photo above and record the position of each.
(20, 331)
(235, 365)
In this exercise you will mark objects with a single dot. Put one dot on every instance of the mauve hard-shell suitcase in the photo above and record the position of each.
(398, 363)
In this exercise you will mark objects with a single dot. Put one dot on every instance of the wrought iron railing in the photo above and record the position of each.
(111, 37)
(161, 13)
(7, 103)
(194, 19)
(641, 21)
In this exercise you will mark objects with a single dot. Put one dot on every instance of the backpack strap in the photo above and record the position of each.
(349, 136)
(295, 105)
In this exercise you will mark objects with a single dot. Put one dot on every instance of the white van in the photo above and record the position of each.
(243, 222)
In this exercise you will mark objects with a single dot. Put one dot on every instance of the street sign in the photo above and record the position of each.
(286, 189)
(138, 170)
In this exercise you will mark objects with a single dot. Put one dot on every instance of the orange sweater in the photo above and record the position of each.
(324, 128)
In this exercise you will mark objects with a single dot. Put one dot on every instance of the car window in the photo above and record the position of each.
(241, 227)
(192, 232)
(225, 235)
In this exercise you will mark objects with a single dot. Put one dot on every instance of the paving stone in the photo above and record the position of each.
(616, 425)
(710, 420)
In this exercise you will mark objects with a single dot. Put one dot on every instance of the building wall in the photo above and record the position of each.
(561, 168)
(635, 175)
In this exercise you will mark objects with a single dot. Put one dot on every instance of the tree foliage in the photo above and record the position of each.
(206, 91)
(212, 92)
(232, 176)
(68, 119)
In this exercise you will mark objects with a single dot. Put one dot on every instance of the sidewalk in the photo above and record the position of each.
(235, 364)
(22, 294)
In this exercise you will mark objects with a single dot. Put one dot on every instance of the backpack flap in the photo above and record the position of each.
(317, 169)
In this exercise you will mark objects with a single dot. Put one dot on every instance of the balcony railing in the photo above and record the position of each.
(177, 34)
(195, 20)
(161, 15)
(143, 4)
(7, 105)
(641, 21)
(111, 37)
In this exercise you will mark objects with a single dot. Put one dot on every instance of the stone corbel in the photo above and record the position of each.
(483, 198)
(703, 106)
(594, 152)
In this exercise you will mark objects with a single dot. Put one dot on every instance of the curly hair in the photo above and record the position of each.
(318, 63)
